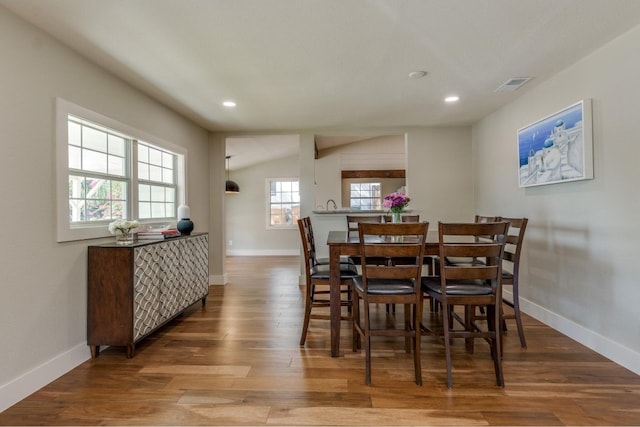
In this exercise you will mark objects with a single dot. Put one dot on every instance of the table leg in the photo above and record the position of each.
(334, 298)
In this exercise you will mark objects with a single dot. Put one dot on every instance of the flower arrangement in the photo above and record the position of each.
(123, 226)
(396, 202)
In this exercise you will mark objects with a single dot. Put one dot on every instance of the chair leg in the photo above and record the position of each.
(417, 341)
(468, 326)
(355, 320)
(307, 314)
(516, 310)
(493, 322)
(367, 346)
(447, 345)
(407, 327)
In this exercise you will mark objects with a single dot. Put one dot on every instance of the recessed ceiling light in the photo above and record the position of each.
(229, 104)
(452, 98)
(417, 74)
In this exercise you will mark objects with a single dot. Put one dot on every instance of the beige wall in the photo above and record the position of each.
(580, 265)
(43, 286)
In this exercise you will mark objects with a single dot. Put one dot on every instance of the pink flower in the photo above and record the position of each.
(396, 202)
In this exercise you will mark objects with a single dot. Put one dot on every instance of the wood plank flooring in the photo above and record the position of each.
(236, 361)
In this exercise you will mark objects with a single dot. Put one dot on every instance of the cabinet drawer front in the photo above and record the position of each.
(195, 269)
(146, 291)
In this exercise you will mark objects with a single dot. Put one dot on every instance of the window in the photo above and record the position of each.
(283, 208)
(365, 196)
(156, 182)
(98, 172)
(96, 179)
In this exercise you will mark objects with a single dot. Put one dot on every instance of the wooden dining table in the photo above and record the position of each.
(340, 243)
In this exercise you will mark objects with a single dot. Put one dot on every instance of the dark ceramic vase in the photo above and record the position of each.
(185, 226)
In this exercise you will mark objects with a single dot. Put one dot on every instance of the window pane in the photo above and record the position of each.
(171, 194)
(98, 188)
(157, 210)
(94, 139)
(116, 166)
(157, 194)
(76, 187)
(94, 161)
(117, 146)
(143, 171)
(155, 173)
(144, 210)
(143, 153)
(167, 160)
(170, 211)
(167, 176)
(74, 131)
(75, 157)
(144, 192)
(155, 157)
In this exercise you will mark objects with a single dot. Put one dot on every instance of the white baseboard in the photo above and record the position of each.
(28, 383)
(220, 279)
(612, 350)
(263, 252)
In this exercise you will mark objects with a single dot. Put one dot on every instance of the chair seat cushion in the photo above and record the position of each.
(385, 287)
(458, 287)
(321, 271)
(344, 259)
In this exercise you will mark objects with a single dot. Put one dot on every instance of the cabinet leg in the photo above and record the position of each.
(131, 348)
(95, 351)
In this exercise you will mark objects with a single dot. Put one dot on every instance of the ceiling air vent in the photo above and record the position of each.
(512, 84)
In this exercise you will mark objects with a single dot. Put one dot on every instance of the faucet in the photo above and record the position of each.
(334, 204)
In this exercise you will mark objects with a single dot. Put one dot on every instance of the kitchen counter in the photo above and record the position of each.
(352, 212)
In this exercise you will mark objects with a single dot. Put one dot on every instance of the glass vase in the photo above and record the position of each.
(396, 217)
(124, 237)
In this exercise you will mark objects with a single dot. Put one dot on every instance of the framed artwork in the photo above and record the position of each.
(557, 148)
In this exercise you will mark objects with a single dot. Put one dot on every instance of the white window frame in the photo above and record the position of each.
(71, 232)
(378, 199)
(268, 182)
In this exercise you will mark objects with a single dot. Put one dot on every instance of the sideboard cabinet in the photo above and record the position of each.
(135, 289)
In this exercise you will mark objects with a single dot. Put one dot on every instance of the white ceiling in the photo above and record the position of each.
(330, 64)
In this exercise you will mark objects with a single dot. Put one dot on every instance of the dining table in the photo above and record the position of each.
(340, 244)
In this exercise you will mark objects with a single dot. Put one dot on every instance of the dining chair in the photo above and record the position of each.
(352, 231)
(312, 245)
(405, 218)
(514, 240)
(469, 285)
(511, 271)
(389, 284)
(354, 220)
(317, 283)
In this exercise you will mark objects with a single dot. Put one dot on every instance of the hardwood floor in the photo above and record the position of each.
(236, 361)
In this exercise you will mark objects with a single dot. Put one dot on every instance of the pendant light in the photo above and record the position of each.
(231, 187)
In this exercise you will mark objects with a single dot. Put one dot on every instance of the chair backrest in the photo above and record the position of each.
(480, 219)
(513, 243)
(406, 240)
(308, 246)
(354, 220)
(405, 218)
(468, 240)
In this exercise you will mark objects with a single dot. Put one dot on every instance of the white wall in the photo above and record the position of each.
(43, 286)
(383, 152)
(439, 179)
(245, 213)
(580, 264)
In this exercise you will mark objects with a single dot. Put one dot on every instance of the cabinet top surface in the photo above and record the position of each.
(139, 243)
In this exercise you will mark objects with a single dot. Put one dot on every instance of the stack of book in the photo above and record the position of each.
(158, 234)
